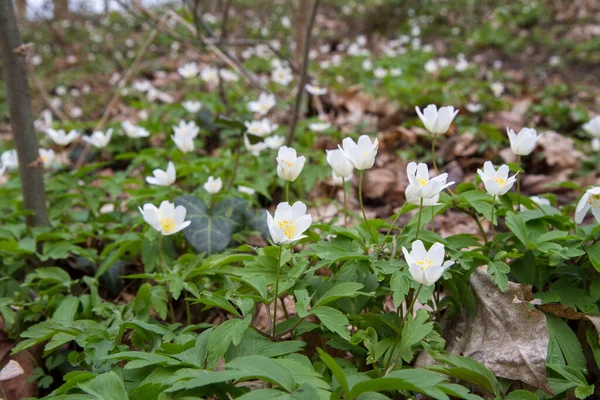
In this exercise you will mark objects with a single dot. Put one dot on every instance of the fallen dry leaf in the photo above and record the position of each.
(505, 335)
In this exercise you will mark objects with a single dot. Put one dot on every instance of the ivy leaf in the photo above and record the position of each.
(211, 231)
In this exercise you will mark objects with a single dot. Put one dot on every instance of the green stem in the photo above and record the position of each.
(433, 154)
(419, 220)
(389, 230)
(276, 293)
(287, 191)
(409, 310)
(345, 207)
(164, 269)
(518, 184)
(236, 164)
(362, 207)
(493, 225)
(432, 218)
(188, 312)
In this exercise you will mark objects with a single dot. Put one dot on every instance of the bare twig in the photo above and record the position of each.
(124, 81)
(225, 19)
(303, 77)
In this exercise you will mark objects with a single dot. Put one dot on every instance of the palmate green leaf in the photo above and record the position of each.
(499, 270)
(217, 300)
(304, 392)
(412, 333)
(344, 289)
(201, 378)
(253, 343)
(140, 359)
(211, 231)
(521, 395)
(332, 319)
(107, 386)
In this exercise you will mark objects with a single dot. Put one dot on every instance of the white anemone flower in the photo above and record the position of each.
(593, 127)
(282, 76)
(98, 139)
(212, 185)
(274, 142)
(47, 156)
(437, 121)
(60, 137)
(263, 105)
(189, 70)
(289, 165)
(341, 166)
(540, 201)
(185, 143)
(361, 154)
(315, 90)
(589, 201)
(166, 219)
(319, 126)
(186, 129)
(134, 131)
(422, 186)
(210, 75)
(523, 143)
(163, 178)
(229, 76)
(260, 128)
(289, 222)
(255, 148)
(246, 190)
(426, 267)
(496, 182)
(192, 106)
(9, 159)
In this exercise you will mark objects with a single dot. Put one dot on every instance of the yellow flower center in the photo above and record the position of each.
(366, 152)
(263, 107)
(44, 158)
(255, 129)
(422, 181)
(500, 181)
(425, 264)
(289, 163)
(167, 225)
(594, 200)
(287, 227)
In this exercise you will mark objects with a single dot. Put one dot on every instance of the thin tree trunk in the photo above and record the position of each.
(61, 9)
(12, 54)
(21, 9)
(300, 31)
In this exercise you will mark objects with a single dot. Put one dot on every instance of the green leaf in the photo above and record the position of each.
(230, 331)
(468, 370)
(211, 231)
(412, 333)
(516, 224)
(499, 270)
(302, 302)
(264, 368)
(593, 253)
(345, 289)
(414, 380)
(336, 370)
(159, 300)
(562, 335)
(521, 395)
(107, 386)
(332, 319)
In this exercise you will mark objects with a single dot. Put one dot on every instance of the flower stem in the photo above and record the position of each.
(275, 297)
(164, 269)
(345, 208)
(390, 230)
(433, 154)
(409, 310)
(493, 208)
(419, 220)
(518, 184)
(362, 207)
(432, 218)
(287, 191)
(235, 166)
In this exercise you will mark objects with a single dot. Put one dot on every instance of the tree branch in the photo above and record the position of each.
(303, 77)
